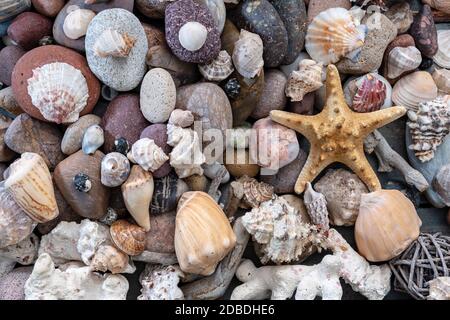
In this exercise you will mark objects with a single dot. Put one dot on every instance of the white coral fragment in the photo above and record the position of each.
(161, 283)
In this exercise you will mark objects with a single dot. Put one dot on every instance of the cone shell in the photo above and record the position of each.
(76, 23)
(334, 34)
(113, 44)
(442, 56)
(442, 79)
(147, 154)
(307, 79)
(441, 5)
(203, 234)
(428, 127)
(59, 91)
(109, 258)
(115, 169)
(251, 191)
(128, 237)
(11, 8)
(413, 89)
(387, 224)
(137, 194)
(248, 54)
(219, 69)
(401, 60)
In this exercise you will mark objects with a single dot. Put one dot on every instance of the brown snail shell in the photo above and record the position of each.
(128, 237)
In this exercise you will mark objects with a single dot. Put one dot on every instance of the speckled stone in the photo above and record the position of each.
(158, 133)
(123, 119)
(381, 32)
(44, 55)
(424, 32)
(91, 204)
(9, 56)
(121, 74)
(26, 134)
(273, 96)
(317, 6)
(179, 13)
(293, 15)
(78, 44)
(162, 233)
(260, 17)
(12, 285)
(73, 136)
(28, 28)
(49, 8)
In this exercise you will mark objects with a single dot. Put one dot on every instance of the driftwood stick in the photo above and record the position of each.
(389, 159)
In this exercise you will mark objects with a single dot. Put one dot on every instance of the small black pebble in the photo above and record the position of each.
(232, 88)
(82, 183)
(122, 146)
(426, 63)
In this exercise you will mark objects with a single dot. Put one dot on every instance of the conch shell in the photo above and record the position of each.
(115, 169)
(442, 56)
(219, 69)
(307, 79)
(76, 23)
(403, 59)
(203, 234)
(428, 126)
(251, 191)
(128, 237)
(333, 34)
(112, 43)
(59, 91)
(137, 194)
(147, 154)
(248, 54)
(30, 184)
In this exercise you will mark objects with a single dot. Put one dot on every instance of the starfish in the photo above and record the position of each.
(337, 134)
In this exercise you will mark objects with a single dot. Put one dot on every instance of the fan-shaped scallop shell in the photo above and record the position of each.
(403, 59)
(59, 91)
(428, 126)
(115, 169)
(11, 8)
(442, 79)
(442, 56)
(307, 79)
(413, 89)
(112, 43)
(248, 54)
(147, 154)
(219, 69)
(369, 92)
(251, 191)
(128, 237)
(334, 34)
(441, 5)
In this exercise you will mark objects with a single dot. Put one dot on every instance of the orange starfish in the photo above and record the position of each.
(337, 134)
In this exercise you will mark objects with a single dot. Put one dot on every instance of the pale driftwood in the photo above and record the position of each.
(215, 285)
(157, 258)
(389, 159)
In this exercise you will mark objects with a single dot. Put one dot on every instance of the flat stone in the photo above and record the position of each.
(28, 28)
(73, 136)
(9, 56)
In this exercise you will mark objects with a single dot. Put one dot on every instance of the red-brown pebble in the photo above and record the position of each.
(9, 57)
(28, 28)
(49, 8)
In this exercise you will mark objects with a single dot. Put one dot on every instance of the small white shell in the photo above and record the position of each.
(402, 59)
(76, 23)
(442, 79)
(219, 69)
(248, 54)
(147, 154)
(115, 169)
(93, 139)
(59, 91)
(192, 35)
(112, 43)
(442, 56)
(307, 79)
(181, 118)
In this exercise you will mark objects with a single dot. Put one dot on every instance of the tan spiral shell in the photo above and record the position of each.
(147, 154)
(248, 54)
(251, 191)
(112, 43)
(307, 79)
(109, 258)
(218, 69)
(128, 237)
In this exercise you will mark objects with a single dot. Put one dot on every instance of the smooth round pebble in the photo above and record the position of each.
(162, 235)
(273, 96)
(73, 136)
(49, 8)
(28, 28)
(9, 56)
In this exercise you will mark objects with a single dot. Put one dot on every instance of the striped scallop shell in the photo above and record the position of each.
(401, 60)
(11, 8)
(59, 91)
(219, 69)
(334, 34)
(442, 56)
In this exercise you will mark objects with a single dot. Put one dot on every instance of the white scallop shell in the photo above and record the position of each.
(76, 23)
(192, 35)
(442, 56)
(442, 79)
(219, 69)
(115, 169)
(147, 154)
(93, 139)
(112, 43)
(248, 54)
(59, 91)
(307, 79)
(333, 34)
(402, 59)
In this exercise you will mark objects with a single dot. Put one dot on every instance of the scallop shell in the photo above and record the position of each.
(59, 91)
(334, 34)
(93, 139)
(403, 59)
(30, 184)
(115, 169)
(439, 287)
(147, 154)
(109, 258)
(76, 23)
(316, 205)
(248, 54)
(252, 192)
(11, 8)
(307, 79)
(192, 35)
(368, 93)
(137, 194)
(428, 126)
(15, 224)
(112, 43)
(442, 79)
(413, 89)
(442, 56)
(128, 237)
(441, 5)
(219, 69)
